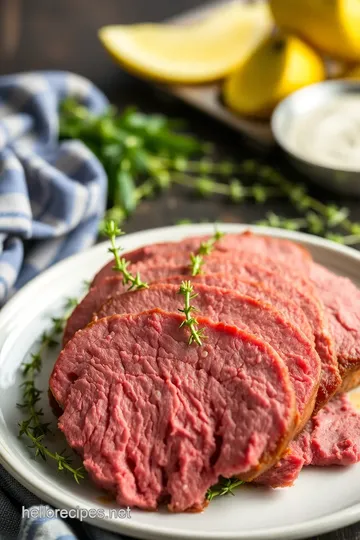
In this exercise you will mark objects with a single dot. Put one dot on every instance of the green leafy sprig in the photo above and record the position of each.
(33, 427)
(225, 486)
(315, 216)
(196, 334)
(132, 148)
(144, 154)
(197, 260)
(112, 231)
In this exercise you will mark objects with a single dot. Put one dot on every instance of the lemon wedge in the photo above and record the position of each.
(205, 50)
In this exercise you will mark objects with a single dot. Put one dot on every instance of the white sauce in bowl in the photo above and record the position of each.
(329, 135)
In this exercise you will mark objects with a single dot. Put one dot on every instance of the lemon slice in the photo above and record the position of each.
(205, 50)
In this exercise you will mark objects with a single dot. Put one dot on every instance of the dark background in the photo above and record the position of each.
(62, 34)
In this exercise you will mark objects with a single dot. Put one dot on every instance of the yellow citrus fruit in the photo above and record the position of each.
(332, 26)
(203, 51)
(278, 67)
(354, 73)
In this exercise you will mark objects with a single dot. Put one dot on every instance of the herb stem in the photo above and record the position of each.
(197, 261)
(217, 188)
(62, 461)
(196, 335)
(33, 427)
(112, 231)
(225, 486)
(145, 189)
(142, 153)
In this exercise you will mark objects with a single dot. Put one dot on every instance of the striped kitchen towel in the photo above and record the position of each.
(52, 195)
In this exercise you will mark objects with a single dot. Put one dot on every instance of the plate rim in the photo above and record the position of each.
(18, 470)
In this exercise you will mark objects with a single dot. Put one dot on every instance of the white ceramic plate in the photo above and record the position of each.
(321, 500)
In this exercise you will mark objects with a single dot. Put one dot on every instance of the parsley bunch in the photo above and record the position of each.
(144, 154)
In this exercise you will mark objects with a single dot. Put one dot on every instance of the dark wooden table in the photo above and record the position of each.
(53, 34)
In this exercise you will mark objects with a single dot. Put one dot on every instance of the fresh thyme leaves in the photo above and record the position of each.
(197, 260)
(207, 247)
(133, 148)
(196, 334)
(33, 427)
(196, 264)
(225, 486)
(63, 460)
(112, 231)
(143, 154)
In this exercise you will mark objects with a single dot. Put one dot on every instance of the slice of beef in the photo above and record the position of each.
(277, 250)
(341, 299)
(332, 437)
(154, 418)
(287, 470)
(254, 289)
(90, 304)
(110, 286)
(160, 251)
(248, 314)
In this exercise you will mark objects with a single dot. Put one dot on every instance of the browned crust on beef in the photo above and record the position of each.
(269, 461)
(350, 373)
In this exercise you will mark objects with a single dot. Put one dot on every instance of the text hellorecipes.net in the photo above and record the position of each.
(36, 512)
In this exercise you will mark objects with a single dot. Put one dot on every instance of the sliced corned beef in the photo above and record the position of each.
(301, 292)
(287, 470)
(110, 286)
(303, 296)
(254, 289)
(277, 250)
(244, 267)
(332, 437)
(84, 311)
(341, 299)
(248, 314)
(159, 251)
(155, 418)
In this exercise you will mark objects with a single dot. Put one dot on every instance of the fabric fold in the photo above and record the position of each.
(52, 194)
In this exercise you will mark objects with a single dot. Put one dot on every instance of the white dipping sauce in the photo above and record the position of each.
(330, 134)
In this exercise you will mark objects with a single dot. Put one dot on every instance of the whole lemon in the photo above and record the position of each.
(332, 26)
(354, 73)
(278, 67)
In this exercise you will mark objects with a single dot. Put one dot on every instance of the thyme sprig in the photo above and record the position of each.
(144, 154)
(225, 486)
(112, 231)
(62, 459)
(197, 260)
(33, 427)
(196, 334)
(196, 264)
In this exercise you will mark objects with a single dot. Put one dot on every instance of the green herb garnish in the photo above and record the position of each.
(197, 260)
(225, 486)
(112, 231)
(196, 334)
(144, 154)
(33, 427)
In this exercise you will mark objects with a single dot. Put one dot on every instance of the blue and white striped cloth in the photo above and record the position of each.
(52, 195)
